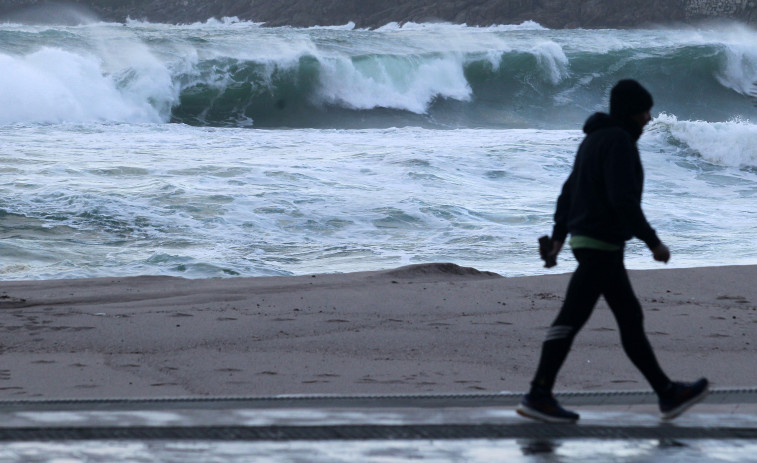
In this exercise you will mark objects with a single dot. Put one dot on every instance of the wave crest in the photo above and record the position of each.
(732, 143)
(52, 85)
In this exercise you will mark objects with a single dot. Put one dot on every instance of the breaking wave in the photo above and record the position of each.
(731, 143)
(240, 74)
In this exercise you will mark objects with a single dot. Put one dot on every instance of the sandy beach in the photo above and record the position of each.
(432, 328)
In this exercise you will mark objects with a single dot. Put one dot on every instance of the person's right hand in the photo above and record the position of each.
(556, 247)
(550, 260)
(661, 253)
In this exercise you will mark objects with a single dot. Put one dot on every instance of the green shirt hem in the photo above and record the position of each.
(587, 242)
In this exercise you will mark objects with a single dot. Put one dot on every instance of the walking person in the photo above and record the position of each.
(600, 207)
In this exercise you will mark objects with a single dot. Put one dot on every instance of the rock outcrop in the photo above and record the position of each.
(375, 13)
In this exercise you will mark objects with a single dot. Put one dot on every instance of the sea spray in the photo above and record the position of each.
(53, 85)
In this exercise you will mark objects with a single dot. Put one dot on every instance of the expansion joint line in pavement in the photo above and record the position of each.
(373, 432)
(503, 399)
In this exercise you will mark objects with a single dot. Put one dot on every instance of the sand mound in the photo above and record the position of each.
(437, 269)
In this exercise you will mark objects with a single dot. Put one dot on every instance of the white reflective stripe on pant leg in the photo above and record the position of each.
(559, 332)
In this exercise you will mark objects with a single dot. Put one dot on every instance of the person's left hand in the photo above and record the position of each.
(661, 253)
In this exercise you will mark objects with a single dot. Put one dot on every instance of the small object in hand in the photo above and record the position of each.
(546, 246)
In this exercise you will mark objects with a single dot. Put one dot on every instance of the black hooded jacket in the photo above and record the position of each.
(602, 197)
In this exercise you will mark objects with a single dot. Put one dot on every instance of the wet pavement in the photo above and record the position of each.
(614, 427)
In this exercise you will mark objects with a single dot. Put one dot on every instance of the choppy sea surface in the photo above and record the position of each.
(226, 148)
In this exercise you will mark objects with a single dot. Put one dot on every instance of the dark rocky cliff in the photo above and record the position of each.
(374, 13)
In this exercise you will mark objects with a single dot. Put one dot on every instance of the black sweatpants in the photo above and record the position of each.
(599, 273)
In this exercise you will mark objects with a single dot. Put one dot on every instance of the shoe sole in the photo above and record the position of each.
(536, 415)
(678, 411)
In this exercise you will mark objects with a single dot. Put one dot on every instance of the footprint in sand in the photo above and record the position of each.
(8, 302)
(736, 299)
(369, 380)
(466, 381)
(71, 328)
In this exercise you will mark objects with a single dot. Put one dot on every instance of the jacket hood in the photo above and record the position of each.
(598, 121)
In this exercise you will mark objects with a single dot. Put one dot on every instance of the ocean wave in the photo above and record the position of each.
(732, 143)
(541, 86)
(52, 85)
(236, 73)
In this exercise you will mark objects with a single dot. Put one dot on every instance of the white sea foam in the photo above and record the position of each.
(732, 143)
(446, 27)
(53, 85)
(227, 22)
(408, 83)
(552, 58)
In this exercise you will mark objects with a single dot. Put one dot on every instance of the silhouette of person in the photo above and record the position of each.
(600, 208)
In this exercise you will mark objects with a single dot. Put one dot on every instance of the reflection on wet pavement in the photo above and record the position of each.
(469, 451)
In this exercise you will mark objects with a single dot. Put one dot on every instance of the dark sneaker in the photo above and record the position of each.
(545, 409)
(684, 396)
